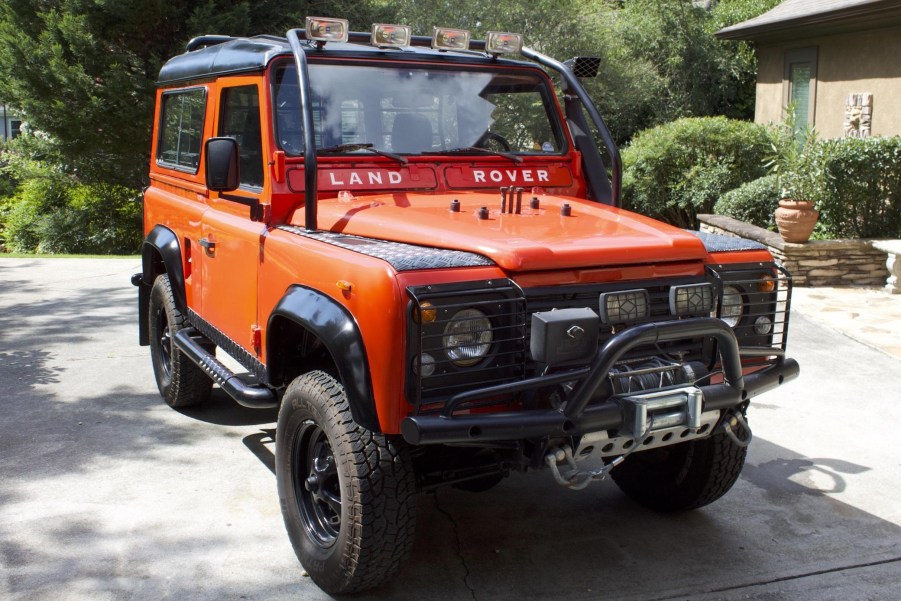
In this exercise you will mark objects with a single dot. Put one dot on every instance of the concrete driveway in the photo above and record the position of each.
(107, 494)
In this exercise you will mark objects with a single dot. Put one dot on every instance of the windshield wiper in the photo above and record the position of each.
(363, 146)
(500, 153)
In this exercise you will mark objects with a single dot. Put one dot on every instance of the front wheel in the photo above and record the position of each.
(682, 476)
(348, 495)
(180, 381)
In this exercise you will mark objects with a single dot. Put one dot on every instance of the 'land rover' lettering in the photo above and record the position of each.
(551, 176)
(404, 178)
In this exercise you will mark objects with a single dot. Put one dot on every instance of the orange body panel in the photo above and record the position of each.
(236, 284)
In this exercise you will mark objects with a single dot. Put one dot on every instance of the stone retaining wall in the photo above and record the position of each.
(816, 263)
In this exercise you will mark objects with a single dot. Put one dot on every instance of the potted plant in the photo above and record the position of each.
(795, 164)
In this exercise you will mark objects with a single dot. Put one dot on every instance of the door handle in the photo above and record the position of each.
(209, 245)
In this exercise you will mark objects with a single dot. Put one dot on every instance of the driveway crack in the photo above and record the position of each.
(458, 546)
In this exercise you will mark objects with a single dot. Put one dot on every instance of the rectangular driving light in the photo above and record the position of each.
(445, 38)
(502, 42)
(391, 36)
(624, 307)
(321, 29)
(691, 299)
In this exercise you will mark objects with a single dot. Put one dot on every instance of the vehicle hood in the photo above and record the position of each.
(593, 235)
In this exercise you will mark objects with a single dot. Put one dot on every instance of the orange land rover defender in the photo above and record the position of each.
(414, 246)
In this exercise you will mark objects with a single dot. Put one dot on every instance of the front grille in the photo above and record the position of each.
(760, 325)
(546, 299)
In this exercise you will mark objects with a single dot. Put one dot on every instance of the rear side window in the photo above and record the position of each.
(181, 129)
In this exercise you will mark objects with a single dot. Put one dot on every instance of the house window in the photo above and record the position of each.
(181, 129)
(800, 84)
(15, 128)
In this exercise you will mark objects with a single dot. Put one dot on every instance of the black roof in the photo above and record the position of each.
(248, 55)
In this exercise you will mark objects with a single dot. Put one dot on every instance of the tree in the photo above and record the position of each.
(84, 71)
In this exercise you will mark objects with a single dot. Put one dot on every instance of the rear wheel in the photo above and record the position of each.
(683, 476)
(348, 495)
(180, 381)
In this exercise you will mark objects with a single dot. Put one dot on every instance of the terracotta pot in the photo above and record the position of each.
(796, 219)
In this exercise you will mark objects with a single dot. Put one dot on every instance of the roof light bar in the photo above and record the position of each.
(502, 42)
(445, 38)
(391, 36)
(326, 30)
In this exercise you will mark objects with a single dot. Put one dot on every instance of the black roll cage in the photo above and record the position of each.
(572, 85)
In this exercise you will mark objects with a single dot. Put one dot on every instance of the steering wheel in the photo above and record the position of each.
(490, 137)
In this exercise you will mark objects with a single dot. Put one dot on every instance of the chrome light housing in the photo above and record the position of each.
(385, 35)
(468, 337)
(446, 38)
(502, 42)
(624, 307)
(322, 29)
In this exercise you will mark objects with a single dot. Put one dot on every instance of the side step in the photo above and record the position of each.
(255, 397)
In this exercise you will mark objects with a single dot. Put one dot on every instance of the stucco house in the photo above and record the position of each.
(839, 61)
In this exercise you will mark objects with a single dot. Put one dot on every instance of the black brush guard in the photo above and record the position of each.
(576, 415)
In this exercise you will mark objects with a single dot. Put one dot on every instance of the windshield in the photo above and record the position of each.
(411, 110)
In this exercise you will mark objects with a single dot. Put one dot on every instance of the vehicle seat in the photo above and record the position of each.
(411, 132)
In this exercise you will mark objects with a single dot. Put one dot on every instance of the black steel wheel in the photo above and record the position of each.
(316, 484)
(682, 476)
(348, 495)
(180, 381)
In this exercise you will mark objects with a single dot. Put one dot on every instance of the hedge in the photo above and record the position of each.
(860, 190)
(754, 202)
(677, 170)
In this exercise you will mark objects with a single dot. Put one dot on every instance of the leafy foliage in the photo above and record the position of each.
(753, 202)
(53, 213)
(860, 191)
(680, 169)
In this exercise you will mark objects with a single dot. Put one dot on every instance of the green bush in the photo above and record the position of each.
(860, 195)
(754, 202)
(53, 214)
(677, 170)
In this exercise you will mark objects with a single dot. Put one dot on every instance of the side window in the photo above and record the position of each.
(239, 118)
(181, 129)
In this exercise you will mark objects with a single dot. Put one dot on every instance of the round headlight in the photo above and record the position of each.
(468, 337)
(733, 307)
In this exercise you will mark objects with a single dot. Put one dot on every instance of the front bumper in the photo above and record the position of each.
(576, 416)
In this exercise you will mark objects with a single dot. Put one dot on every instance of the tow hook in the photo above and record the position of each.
(573, 477)
(735, 427)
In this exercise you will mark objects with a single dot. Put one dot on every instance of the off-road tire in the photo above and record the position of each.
(348, 495)
(682, 476)
(180, 381)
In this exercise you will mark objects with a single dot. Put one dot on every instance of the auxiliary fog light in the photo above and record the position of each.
(502, 42)
(692, 299)
(468, 337)
(733, 306)
(625, 306)
(445, 38)
(326, 30)
(763, 325)
(391, 36)
(425, 367)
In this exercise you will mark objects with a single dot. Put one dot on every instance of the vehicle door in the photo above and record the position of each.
(231, 238)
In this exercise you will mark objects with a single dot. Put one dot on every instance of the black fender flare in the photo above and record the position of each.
(165, 242)
(338, 331)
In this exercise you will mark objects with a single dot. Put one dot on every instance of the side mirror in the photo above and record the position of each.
(222, 165)
(584, 67)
